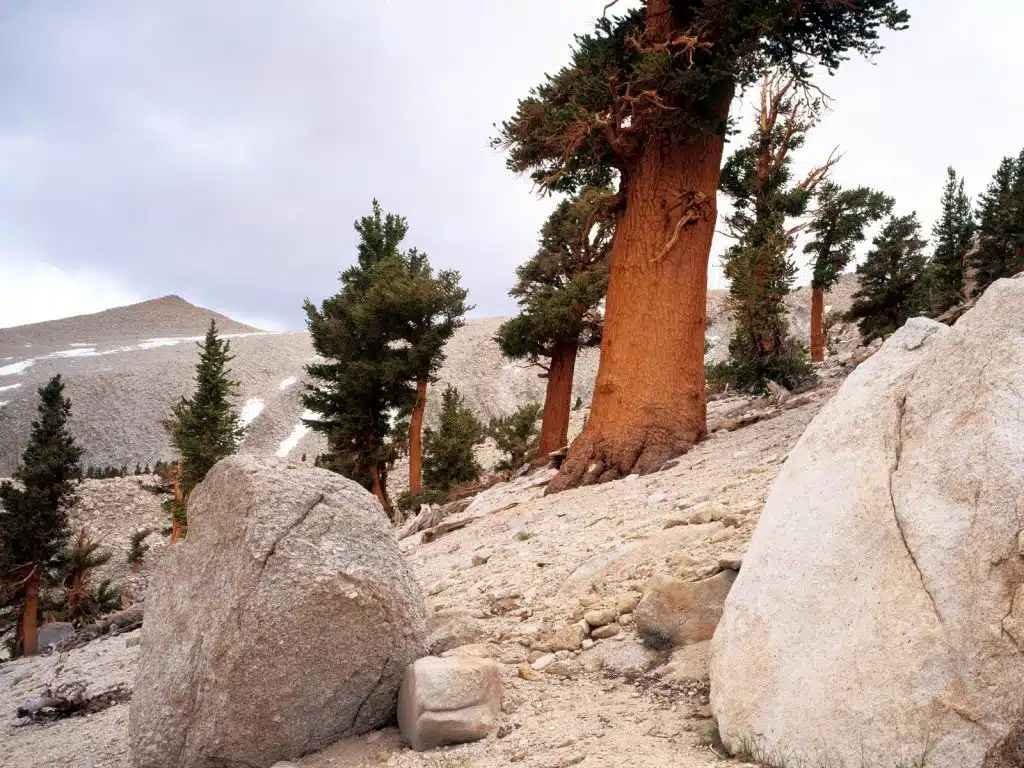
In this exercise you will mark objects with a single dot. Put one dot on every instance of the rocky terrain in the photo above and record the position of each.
(527, 566)
(515, 582)
(126, 366)
(867, 532)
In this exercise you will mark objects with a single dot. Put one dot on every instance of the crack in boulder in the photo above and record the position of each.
(291, 527)
(901, 414)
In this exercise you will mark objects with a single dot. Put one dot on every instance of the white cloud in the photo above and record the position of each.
(34, 292)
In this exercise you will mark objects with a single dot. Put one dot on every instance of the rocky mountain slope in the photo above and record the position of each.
(126, 366)
(528, 565)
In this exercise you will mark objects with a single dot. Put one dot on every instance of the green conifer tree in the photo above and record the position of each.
(836, 229)
(648, 94)
(516, 436)
(34, 517)
(560, 291)
(362, 385)
(424, 310)
(1000, 251)
(953, 235)
(448, 457)
(204, 428)
(758, 177)
(889, 292)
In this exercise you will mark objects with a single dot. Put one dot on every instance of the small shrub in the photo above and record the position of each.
(76, 601)
(791, 368)
(517, 436)
(523, 536)
(409, 503)
(137, 548)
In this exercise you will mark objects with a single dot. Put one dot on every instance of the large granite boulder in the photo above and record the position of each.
(283, 622)
(879, 615)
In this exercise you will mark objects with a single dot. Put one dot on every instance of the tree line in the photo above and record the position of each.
(46, 567)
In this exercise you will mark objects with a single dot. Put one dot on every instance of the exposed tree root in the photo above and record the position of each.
(592, 460)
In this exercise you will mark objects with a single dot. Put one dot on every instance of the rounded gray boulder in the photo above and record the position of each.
(282, 623)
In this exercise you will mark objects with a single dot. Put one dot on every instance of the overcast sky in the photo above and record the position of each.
(221, 150)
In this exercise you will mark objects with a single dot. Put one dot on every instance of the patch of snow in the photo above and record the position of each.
(154, 343)
(10, 386)
(81, 344)
(78, 352)
(8, 358)
(3, 403)
(13, 368)
(287, 383)
(253, 407)
(300, 431)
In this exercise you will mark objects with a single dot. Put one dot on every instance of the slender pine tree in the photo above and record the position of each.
(362, 385)
(560, 291)
(1000, 251)
(953, 235)
(758, 177)
(648, 94)
(204, 428)
(424, 310)
(34, 515)
(889, 292)
(837, 227)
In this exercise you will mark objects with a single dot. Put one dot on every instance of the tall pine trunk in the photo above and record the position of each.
(554, 431)
(817, 324)
(30, 615)
(649, 400)
(416, 440)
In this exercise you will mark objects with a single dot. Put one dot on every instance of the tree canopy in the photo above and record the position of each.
(953, 234)
(560, 288)
(837, 227)
(630, 81)
(890, 292)
(1000, 250)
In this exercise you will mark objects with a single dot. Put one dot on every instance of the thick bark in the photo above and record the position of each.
(554, 431)
(416, 440)
(817, 325)
(30, 615)
(649, 400)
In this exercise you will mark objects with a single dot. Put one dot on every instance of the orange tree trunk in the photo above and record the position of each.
(30, 616)
(649, 399)
(554, 431)
(817, 325)
(380, 491)
(416, 440)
